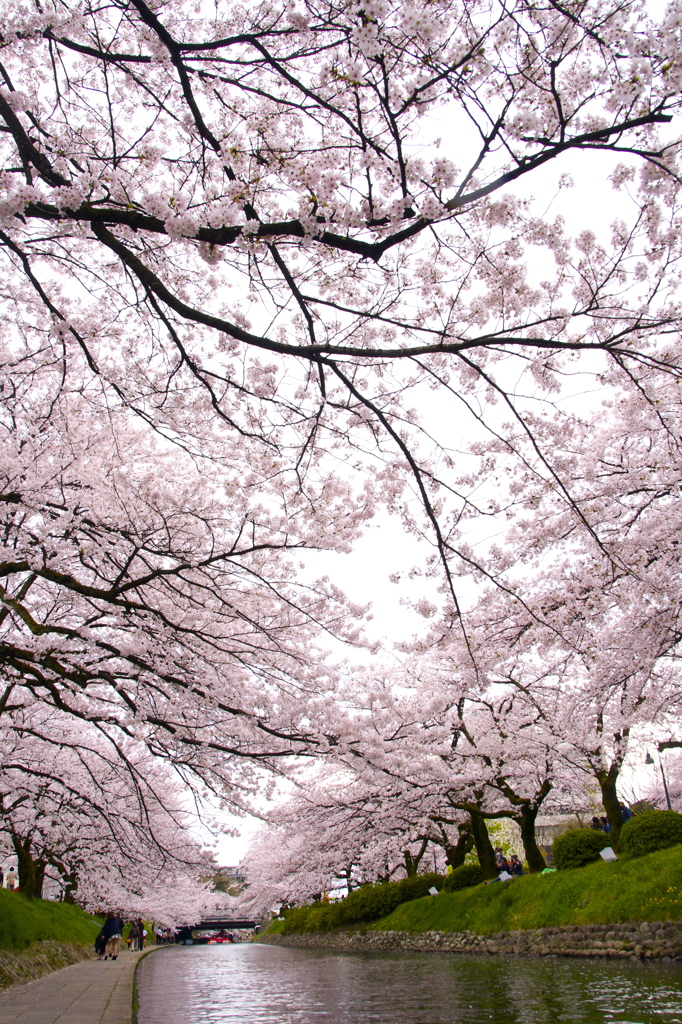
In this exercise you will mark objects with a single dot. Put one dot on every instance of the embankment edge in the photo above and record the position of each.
(640, 940)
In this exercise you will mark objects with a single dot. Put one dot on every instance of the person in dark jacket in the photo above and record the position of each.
(515, 865)
(100, 945)
(112, 931)
(626, 813)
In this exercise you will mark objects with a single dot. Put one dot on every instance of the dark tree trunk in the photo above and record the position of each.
(40, 866)
(484, 848)
(31, 872)
(411, 864)
(456, 855)
(70, 892)
(69, 878)
(412, 860)
(526, 820)
(609, 795)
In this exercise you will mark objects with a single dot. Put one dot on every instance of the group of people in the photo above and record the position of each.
(513, 866)
(137, 936)
(601, 824)
(108, 942)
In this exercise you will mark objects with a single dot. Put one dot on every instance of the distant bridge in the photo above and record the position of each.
(223, 924)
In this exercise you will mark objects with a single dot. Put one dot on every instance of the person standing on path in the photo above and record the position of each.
(112, 931)
(135, 937)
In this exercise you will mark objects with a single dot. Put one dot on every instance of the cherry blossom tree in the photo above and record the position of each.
(108, 820)
(342, 830)
(570, 654)
(156, 596)
(467, 749)
(246, 215)
(579, 613)
(427, 765)
(150, 602)
(545, 697)
(293, 864)
(248, 292)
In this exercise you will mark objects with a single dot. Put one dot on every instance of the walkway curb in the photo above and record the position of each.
(135, 1001)
(92, 992)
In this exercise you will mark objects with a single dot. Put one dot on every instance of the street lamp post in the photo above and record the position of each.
(649, 760)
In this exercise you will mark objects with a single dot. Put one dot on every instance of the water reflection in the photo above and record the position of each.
(253, 984)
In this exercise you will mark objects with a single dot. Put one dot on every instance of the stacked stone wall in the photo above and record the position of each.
(20, 966)
(641, 940)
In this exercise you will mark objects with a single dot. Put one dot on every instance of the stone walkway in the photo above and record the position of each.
(93, 992)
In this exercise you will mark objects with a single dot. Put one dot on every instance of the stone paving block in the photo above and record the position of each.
(93, 992)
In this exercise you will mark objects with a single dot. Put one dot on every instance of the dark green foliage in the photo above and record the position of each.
(578, 847)
(651, 831)
(463, 877)
(368, 903)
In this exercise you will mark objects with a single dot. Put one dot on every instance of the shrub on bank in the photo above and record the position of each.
(646, 889)
(578, 847)
(651, 831)
(463, 877)
(367, 903)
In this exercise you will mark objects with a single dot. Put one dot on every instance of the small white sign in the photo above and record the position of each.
(433, 891)
(608, 854)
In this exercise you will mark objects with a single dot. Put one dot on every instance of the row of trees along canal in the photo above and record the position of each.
(270, 272)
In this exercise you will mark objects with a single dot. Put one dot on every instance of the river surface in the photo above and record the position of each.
(254, 984)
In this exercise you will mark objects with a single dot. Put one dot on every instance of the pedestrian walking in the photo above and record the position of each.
(135, 936)
(111, 932)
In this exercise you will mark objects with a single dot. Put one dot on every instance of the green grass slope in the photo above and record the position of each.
(643, 889)
(25, 921)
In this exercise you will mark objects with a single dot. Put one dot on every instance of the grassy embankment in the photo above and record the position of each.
(643, 889)
(23, 922)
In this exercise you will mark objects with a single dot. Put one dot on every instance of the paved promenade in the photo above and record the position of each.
(93, 992)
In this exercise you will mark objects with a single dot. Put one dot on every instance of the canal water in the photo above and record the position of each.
(254, 984)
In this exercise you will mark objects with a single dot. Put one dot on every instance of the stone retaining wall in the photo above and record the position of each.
(661, 940)
(19, 966)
